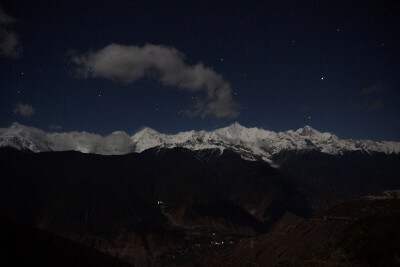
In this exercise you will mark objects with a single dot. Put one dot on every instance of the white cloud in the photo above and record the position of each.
(129, 63)
(55, 127)
(375, 104)
(371, 98)
(24, 110)
(373, 89)
(9, 40)
(115, 143)
(9, 44)
(5, 18)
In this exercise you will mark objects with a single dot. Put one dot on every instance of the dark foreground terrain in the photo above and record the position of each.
(363, 232)
(22, 245)
(181, 207)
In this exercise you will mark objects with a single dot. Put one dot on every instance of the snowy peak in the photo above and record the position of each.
(307, 131)
(250, 143)
(146, 138)
(24, 138)
(146, 134)
(146, 131)
(234, 129)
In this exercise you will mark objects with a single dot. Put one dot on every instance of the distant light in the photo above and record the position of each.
(322, 78)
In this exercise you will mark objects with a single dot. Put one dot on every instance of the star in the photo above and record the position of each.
(322, 78)
(221, 59)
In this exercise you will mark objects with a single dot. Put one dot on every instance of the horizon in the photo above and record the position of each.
(50, 131)
(272, 65)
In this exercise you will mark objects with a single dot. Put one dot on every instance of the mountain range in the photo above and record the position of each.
(153, 199)
(249, 143)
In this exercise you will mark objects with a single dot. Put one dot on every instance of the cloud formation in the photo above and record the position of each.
(5, 18)
(128, 64)
(371, 98)
(9, 40)
(116, 143)
(24, 110)
(373, 105)
(373, 89)
(55, 127)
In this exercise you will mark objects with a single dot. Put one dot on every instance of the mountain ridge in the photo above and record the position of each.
(250, 143)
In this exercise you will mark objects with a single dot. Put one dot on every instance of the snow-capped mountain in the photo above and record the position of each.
(250, 143)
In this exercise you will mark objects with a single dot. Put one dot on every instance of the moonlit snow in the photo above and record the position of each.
(250, 143)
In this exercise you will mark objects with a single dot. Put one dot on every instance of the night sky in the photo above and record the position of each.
(102, 66)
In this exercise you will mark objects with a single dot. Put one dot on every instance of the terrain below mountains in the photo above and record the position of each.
(362, 232)
(23, 245)
(139, 207)
(330, 179)
(165, 205)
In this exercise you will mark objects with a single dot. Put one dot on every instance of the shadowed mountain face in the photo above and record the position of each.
(168, 206)
(329, 179)
(140, 206)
